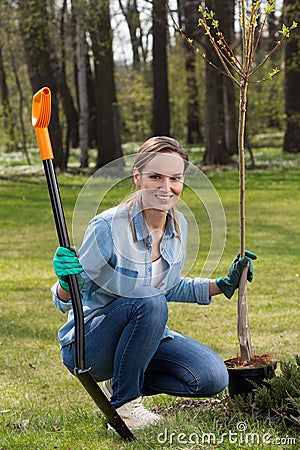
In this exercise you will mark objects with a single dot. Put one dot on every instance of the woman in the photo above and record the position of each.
(129, 267)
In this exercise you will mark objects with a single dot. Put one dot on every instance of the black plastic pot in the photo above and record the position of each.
(244, 380)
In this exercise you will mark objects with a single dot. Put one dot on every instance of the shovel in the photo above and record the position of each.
(41, 111)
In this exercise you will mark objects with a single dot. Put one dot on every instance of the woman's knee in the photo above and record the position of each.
(210, 382)
(207, 373)
(219, 380)
(151, 301)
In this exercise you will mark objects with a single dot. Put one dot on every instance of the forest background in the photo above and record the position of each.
(119, 72)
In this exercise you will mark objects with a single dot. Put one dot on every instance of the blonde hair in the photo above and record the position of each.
(147, 151)
(158, 144)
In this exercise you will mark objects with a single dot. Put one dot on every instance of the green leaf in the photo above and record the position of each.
(274, 72)
(285, 31)
(270, 7)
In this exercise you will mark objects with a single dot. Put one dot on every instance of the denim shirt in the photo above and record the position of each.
(116, 256)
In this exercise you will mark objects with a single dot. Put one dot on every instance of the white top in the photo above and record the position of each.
(159, 267)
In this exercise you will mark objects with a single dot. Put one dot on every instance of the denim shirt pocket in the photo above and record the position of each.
(127, 272)
(124, 280)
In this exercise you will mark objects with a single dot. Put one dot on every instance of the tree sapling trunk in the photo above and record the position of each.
(241, 69)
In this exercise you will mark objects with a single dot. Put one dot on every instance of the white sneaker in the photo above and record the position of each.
(135, 415)
(107, 387)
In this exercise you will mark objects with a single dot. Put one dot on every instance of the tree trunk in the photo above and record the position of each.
(92, 104)
(105, 93)
(82, 86)
(216, 151)
(21, 106)
(191, 30)
(132, 16)
(243, 317)
(292, 76)
(230, 119)
(41, 64)
(67, 101)
(161, 109)
(180, 12)
(92, 124)
(6, 108)
(215, 146)
(243, 331)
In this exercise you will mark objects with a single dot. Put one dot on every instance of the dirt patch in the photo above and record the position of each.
(256, 361)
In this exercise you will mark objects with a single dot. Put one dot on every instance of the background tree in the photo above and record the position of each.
(71, 114)
(292, 77)
(78, 11)
(216, 150)
(98, 21)
(132, 16)
(13, 117)
(6, 107)
(194, 134)
(161, 110)
(41, 64)
(46, 30)
(229, 90)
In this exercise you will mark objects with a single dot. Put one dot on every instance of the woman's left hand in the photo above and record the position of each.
(230, 283)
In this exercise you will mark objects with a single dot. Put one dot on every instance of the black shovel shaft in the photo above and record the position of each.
(64, 241)
(81, 372)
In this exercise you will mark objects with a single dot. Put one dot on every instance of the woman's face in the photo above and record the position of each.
(161, 181)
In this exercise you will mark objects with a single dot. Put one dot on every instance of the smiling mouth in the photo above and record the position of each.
(163, 197)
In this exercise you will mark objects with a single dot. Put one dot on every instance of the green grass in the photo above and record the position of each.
(43, 407)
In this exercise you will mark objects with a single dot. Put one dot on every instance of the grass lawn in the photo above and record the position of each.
(43, 407)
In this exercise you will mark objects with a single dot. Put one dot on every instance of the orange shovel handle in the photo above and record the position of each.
(41, 113)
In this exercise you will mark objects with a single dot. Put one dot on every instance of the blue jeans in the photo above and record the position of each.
(124, 342)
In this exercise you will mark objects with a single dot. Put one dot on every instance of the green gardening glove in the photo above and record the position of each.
(66, 262)
(230, 283)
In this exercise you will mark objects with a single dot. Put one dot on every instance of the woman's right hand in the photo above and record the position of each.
(66, 262)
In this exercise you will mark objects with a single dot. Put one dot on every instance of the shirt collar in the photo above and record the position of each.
(141, 228)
